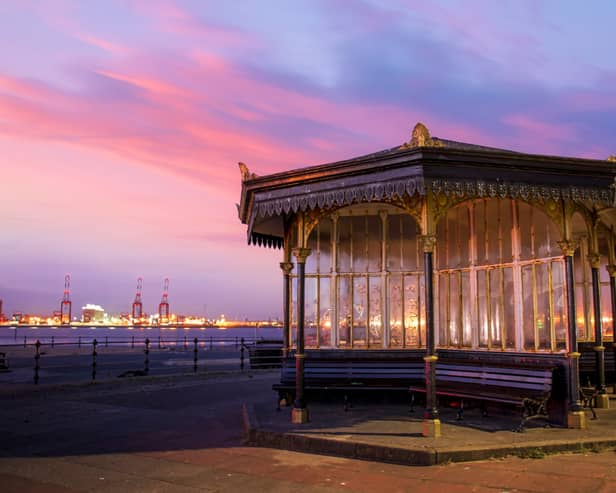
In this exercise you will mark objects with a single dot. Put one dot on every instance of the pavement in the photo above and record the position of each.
(222, 433)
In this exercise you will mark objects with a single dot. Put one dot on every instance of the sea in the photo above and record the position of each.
(123, 335)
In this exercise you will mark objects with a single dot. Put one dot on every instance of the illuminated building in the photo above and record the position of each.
(92, 314)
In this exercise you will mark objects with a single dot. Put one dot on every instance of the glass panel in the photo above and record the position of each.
(360, 311)
(293, 314)
(325, 321)
(375, 233)
(360, 245)
(496, 307)
(325, 246)
(394, 243)
(344, 310)
(454, 309)
(546, 235)
(560, 305)
(525, 213)
(412, 310)
(527, 307)
(443, 310)
(310, 312)
(493, 222)
(509, 308)
(375, 318)
(466, 310)
(542, 317)
(580, 319)
(344, 244)
(506, 230)
(311, 261)
(482, 287)
(395, 310)
(409, 244)
(480, 231)
(606, 311)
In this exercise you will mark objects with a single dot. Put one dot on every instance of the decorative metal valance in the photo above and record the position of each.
(295, 201)
(265, 240)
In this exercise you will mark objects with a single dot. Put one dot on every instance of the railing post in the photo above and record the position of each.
(79, 341)
(24, 341)
(106, 341)
(242, 355)
(94, 353)
(52, 341)
(158, 342)
(211, 343)
(146, 363)
(132, 342)
(37, 356)
(196, 351)
(185, 343)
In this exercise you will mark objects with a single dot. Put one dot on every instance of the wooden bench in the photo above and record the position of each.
(349, 371)
(265, 354)
(588, 364)
(508, 381)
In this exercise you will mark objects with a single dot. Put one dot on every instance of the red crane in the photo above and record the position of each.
(137, 311)
(66, 305)
(163, 306)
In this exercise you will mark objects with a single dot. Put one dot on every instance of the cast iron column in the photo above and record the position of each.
(595, 261)
(299, 414)
(286, 267)
(612, 271)
(431, 423)
(575, 417)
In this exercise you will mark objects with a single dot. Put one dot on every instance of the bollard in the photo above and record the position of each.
(242, 355)
(146, 364)
(211, 344)
(94, 343)
(185, 343)
(132, 342)
(196, 353)
(52, 341)
(37, 356)
(79, 342)
(106, 341)
(24, 341)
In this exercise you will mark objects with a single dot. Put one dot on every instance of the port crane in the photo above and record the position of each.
(163, 306)
(66, 305)
(137, 308)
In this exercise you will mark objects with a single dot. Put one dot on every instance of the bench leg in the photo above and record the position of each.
(346, 402)
(460, 410)
(412, 408)
(533, 409)
(484, 409)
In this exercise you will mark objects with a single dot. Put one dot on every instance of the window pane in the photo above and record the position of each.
(311, 260)
(443, 310)
(360, 311)
(394, 243)
(344, 244)
(496, 307)
(412, 307)
(375, 320)
(395, 310)
(325, 322)
(606, 311)
(325, 246)
(509, 308)
(293, 313)
(310, 312)
(467, 333)
(344, 310)
(560, 306)
(409, 245)
(360, 245)
(527, 307)
(482, 287)
(542, 317)
(375, 233)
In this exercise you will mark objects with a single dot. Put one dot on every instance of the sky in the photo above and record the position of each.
(122, 123)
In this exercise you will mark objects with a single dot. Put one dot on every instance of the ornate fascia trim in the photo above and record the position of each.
(294, 201)
(337, 197)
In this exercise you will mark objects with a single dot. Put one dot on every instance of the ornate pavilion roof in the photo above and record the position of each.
(424, 163)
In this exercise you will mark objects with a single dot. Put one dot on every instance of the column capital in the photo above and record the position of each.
(611, 269)
(568, 247)
(286, 267)
(594, 259)
(429, 242)
(301, 254)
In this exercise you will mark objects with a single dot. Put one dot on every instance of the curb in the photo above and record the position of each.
(255, 436)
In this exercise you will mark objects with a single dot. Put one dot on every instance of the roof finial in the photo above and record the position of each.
(246, 174)
(421, 138)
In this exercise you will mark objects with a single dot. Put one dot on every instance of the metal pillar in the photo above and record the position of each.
(286, 267)
(575, 417)
(300, 411)
(431, 423)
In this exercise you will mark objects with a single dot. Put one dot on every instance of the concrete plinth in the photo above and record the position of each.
(431, 428)
(299, 416)
(602, 401)
(576, 420)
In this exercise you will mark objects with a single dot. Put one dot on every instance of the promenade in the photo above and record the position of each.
(187, 433)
